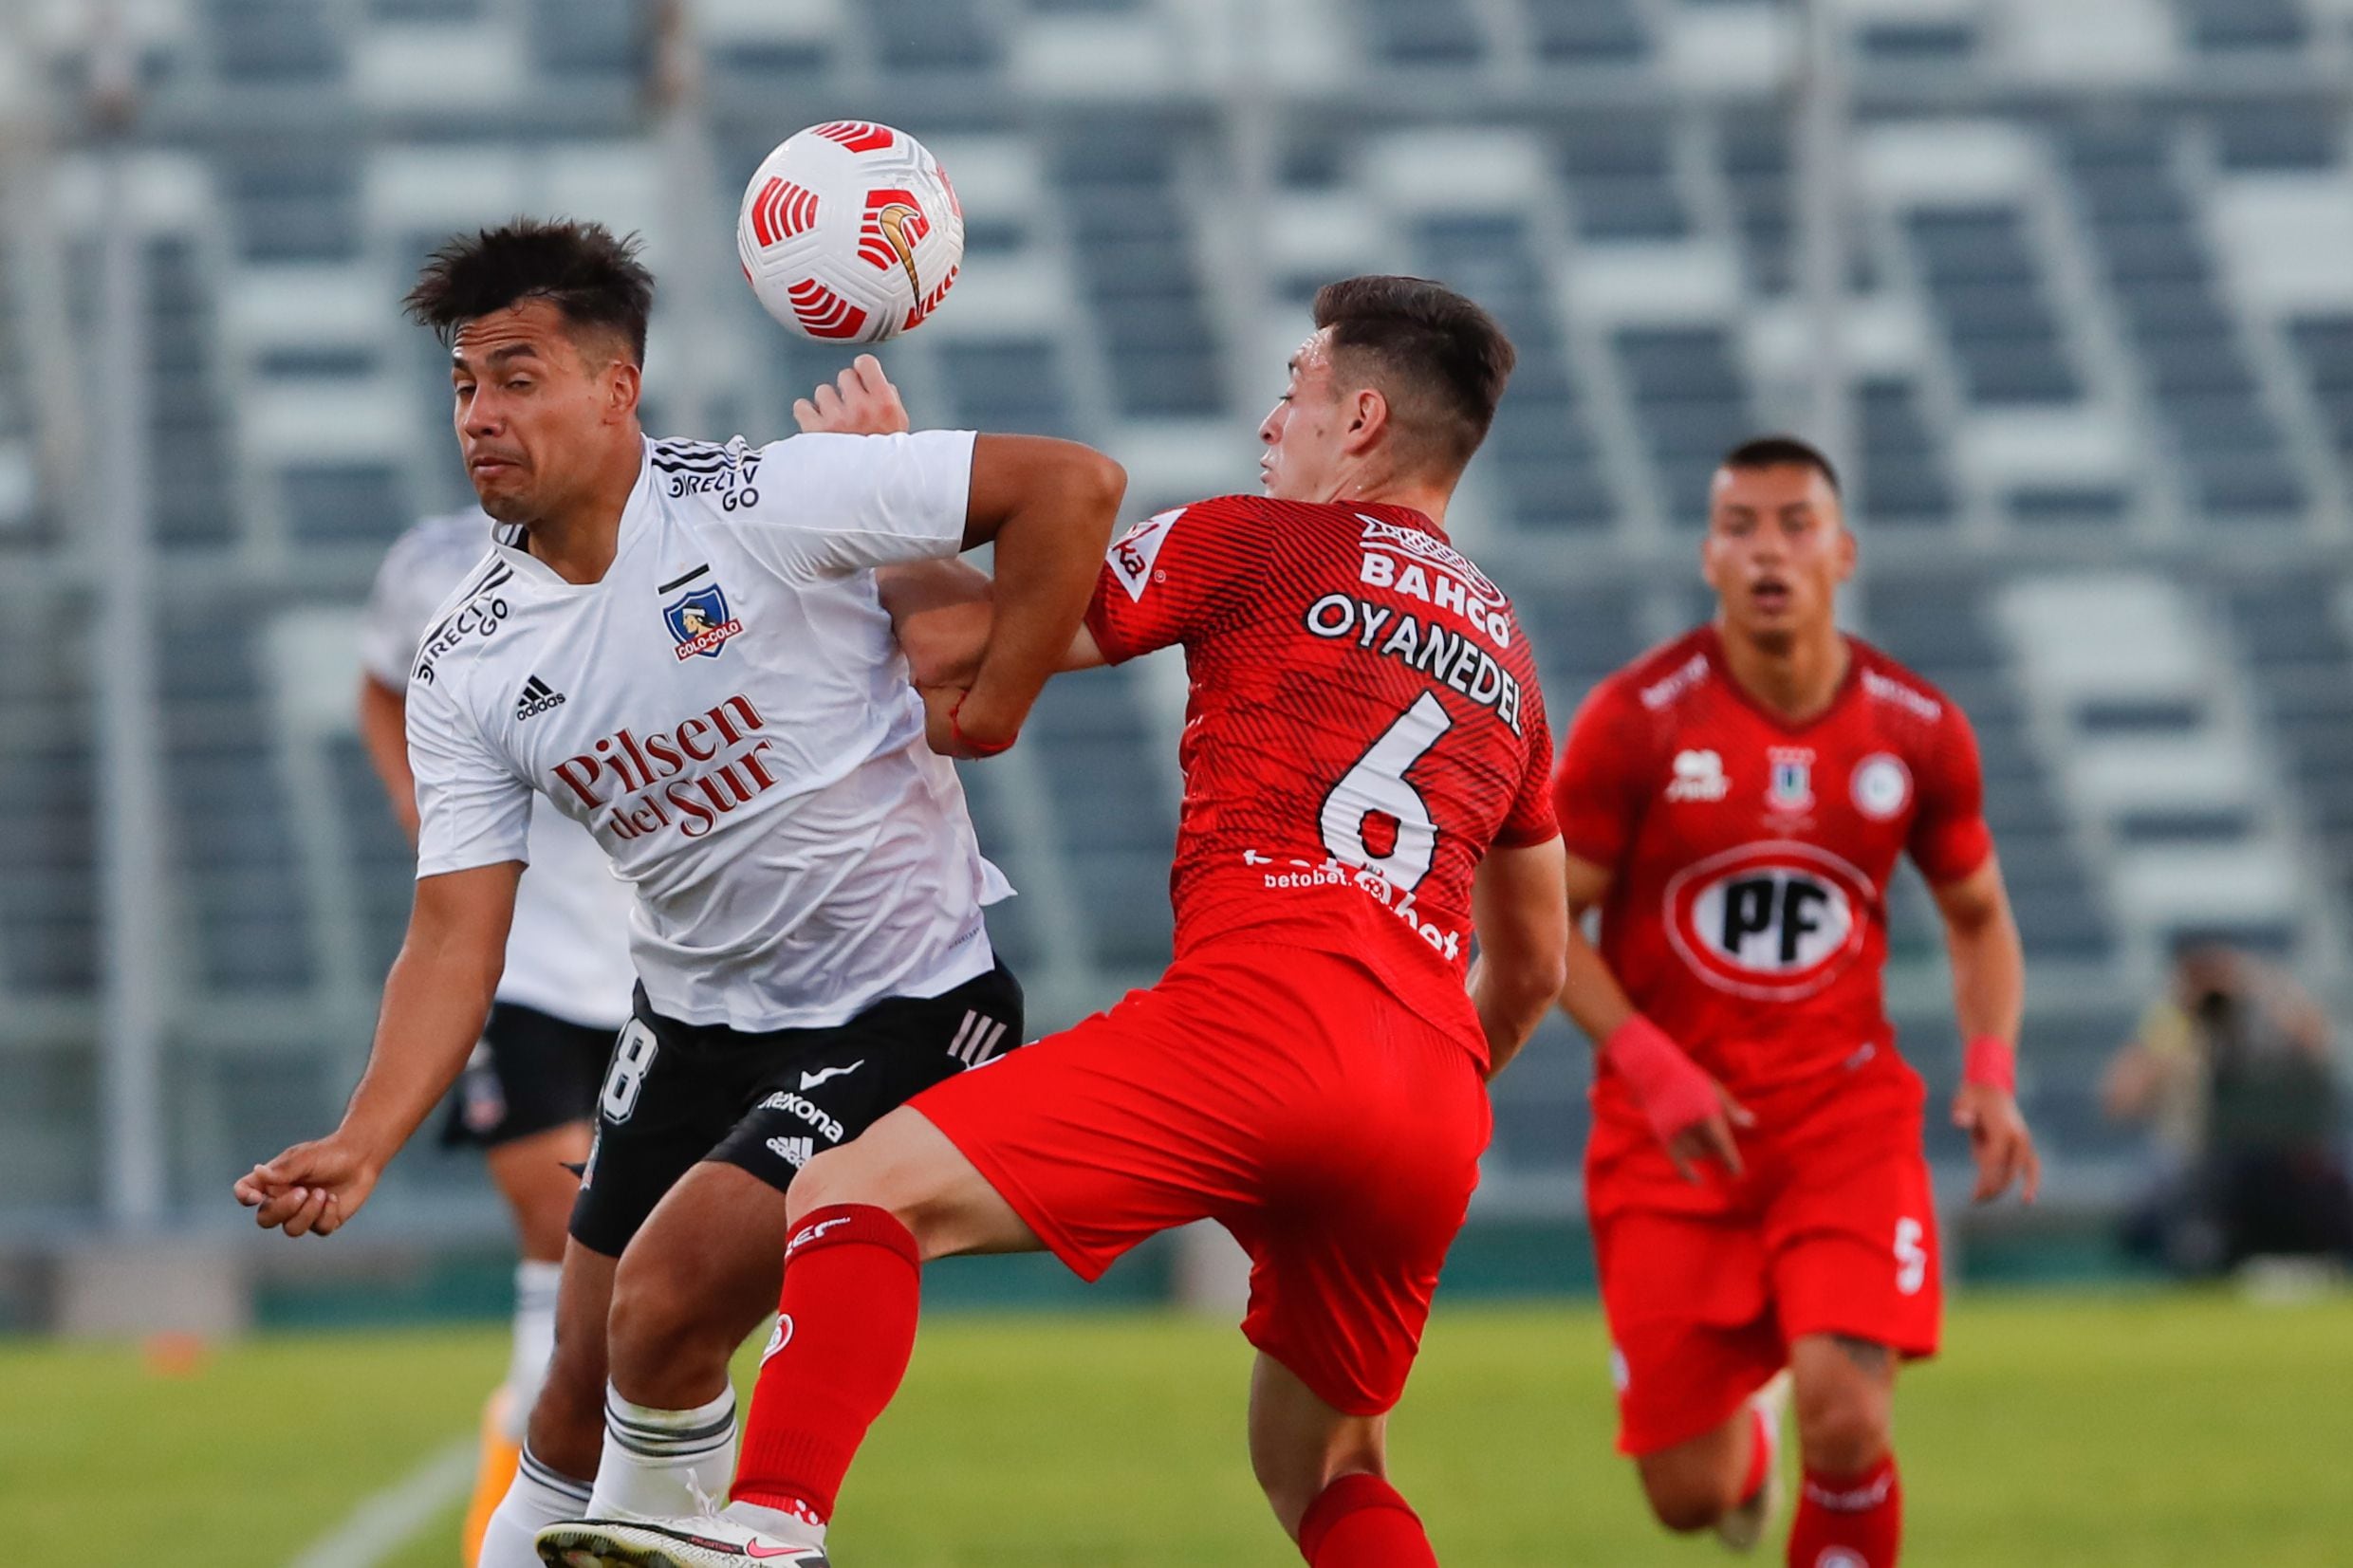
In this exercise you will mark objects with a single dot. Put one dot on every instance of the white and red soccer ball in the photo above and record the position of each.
(850, 232)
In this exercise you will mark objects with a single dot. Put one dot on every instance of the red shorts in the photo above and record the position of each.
(1832, 1231)
(1277, 1090)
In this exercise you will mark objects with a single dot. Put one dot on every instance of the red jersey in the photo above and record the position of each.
(1363, 723)
(1748, 913)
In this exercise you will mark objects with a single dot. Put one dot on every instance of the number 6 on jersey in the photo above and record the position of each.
(1372, 803)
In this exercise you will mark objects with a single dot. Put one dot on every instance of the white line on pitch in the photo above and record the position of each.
(383, 1524)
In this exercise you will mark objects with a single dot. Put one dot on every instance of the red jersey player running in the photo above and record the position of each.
(1366, 770)
(1734, 803)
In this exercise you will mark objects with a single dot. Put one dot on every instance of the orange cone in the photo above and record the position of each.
(501, 1456)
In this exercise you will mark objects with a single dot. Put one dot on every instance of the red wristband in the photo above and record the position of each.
(1990, 1062)
(1666, 1083)
(955, 732)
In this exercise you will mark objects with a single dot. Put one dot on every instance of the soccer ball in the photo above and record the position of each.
(850, 232)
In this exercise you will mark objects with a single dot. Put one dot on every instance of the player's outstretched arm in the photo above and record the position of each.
(1989, 999)
(1519, 906)
(1048, 506)
(1690, 1112)
(436, 999)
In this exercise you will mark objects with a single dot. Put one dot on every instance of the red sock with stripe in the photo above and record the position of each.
(846, 1328)
(1361, 1521)
(1849, 1521)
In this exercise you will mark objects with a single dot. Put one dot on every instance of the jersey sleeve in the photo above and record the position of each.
(471, 809)
(1533, 819)
(1949, 834)
(1597, 790)
(1175, 578)
(843, 503)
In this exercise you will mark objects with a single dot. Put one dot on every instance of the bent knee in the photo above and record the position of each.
(843, 1175)
(1292, 1490)
(1685, 1503)
(1689, 1489)
(1845, 1432)
(658, 1313)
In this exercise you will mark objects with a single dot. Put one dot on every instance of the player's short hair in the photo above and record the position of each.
(1449, 357)
(589, 274)
(1780, 451)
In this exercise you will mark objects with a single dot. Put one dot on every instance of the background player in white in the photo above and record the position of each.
(739, 735)
(531, 1086)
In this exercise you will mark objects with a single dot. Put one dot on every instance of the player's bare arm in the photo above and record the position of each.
(436, 999)
(983, 648)
(1519, 908)
(1692, 1114)
(383, 731)
(1988, 1000)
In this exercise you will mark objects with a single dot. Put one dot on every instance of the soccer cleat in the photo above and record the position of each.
(1747, 1521)
(710, 1541)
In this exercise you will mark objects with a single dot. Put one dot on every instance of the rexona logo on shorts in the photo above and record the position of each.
(1774, 921)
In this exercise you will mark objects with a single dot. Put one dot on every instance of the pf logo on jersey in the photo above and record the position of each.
(1774, 921)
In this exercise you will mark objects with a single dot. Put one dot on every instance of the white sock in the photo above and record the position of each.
(539, 1497)
(665, 1464)
(534, 1341)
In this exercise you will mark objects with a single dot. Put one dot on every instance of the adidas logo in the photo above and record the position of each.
(793, 1152)
(538, 696)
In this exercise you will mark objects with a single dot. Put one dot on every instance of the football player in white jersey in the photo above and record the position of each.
(530, 1088)
(738, 732)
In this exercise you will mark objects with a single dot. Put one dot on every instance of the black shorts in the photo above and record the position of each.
(529, 1073)
(679, 1094)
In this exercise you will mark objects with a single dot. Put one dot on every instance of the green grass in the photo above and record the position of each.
(2116, 1431)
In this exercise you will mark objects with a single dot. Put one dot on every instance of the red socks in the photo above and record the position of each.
(846, 1328)
(1361, 1521)
(1849, 1521)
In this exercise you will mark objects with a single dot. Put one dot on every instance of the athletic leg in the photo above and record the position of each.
(559, 1462)
(1698, 1481)
(1850, 1514)
(531, 1174)
(694, 1282)
(864, 1218)
(1326, 1474)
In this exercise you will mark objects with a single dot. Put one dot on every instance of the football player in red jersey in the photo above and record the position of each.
(1734, 803)
(1366, 781)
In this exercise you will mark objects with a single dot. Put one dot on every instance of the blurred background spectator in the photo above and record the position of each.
(2231, 1073)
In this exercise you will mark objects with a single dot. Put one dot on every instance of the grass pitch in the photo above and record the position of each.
(2119, 1432)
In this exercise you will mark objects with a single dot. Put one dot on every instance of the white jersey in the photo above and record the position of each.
(567, 954)
(728, 712)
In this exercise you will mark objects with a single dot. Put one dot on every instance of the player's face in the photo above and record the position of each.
(1776, 551)
(533, 411)
(1303, 436)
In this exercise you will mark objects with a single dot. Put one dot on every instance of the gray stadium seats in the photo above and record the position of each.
(2069, 354)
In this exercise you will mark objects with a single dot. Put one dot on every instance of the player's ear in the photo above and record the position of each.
(1368, 420)
(623, 382)
(1846, 551)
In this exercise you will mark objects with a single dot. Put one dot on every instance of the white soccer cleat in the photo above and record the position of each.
(1746, 1524)
(708, 1542)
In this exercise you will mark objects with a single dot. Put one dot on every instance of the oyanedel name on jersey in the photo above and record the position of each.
(661, 780)
(1449, 658)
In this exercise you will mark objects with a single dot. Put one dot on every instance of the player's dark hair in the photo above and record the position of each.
(1431, 341)
(1781, 451)
(590, 275)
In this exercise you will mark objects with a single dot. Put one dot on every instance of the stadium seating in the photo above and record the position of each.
(2102, 362)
